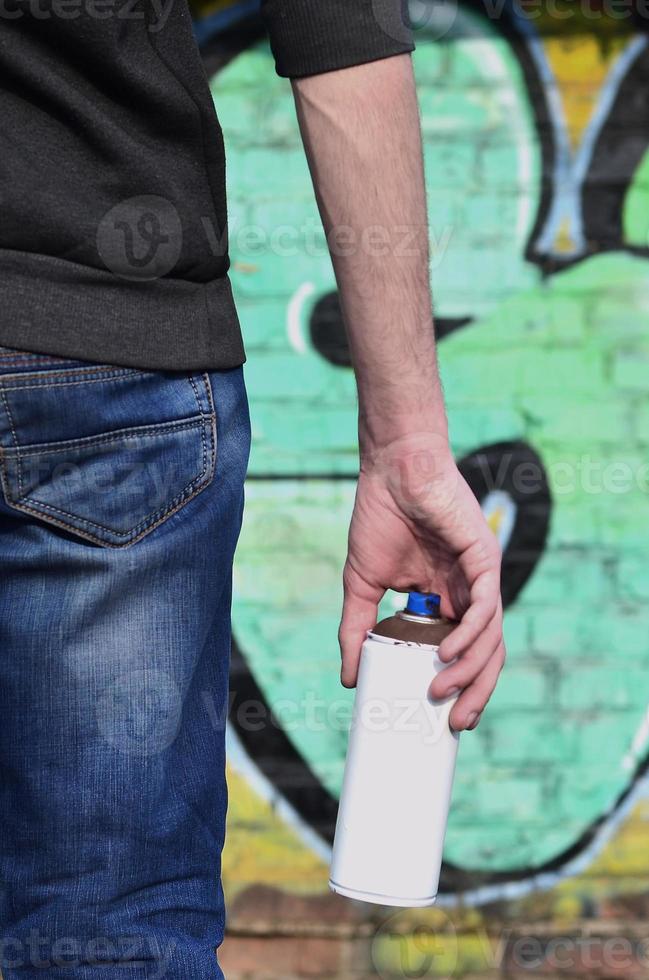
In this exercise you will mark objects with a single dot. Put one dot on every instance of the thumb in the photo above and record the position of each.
(360, 608)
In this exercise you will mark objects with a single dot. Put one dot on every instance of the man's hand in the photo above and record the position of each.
(417, 525)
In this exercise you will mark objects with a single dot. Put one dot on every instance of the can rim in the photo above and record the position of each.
(390, 641)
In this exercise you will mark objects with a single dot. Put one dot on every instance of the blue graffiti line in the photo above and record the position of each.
(221, 20)
(570, 169)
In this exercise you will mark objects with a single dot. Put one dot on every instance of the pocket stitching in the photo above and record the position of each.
(12, 426)
(100, 541)
(117, 435)
(191, 490)
(195, 390)
(104, 377)
(177, 500)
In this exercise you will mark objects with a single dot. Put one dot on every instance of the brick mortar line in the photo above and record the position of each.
(294, 930)
(596, 930)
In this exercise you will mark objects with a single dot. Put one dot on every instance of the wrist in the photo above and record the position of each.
(402, 434)
(424, 449)
(407, 404)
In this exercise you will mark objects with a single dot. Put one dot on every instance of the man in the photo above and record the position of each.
(124, 433)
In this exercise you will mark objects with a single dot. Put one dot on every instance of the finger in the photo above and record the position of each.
(464, 671)
(471, 703)
(456, 598)
(360, 608)
(485, 603)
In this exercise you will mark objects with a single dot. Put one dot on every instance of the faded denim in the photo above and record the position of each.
(122, 495)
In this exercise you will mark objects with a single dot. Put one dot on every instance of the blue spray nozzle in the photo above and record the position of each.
(423, 604)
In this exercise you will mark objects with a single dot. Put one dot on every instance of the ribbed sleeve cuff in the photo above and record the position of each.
(308, 37)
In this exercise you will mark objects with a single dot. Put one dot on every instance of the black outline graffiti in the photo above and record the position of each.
(270, 748)
(517, 470)
(619, 149)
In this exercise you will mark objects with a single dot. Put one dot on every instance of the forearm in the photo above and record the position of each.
(361, 131)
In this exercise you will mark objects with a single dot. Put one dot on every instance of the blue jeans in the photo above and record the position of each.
(122, 494)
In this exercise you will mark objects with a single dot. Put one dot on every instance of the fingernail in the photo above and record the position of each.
(472, 720)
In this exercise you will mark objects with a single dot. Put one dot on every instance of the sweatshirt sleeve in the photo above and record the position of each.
(309, 37)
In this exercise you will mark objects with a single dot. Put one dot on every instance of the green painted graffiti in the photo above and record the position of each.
(558, 364)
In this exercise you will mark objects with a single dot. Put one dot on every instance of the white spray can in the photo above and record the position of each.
(400, 765)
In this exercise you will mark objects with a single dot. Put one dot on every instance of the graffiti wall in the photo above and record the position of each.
(536, 130)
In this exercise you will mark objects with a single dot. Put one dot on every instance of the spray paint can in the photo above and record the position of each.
(400, 764)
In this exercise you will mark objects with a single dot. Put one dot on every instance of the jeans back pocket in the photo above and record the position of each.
(105, 453)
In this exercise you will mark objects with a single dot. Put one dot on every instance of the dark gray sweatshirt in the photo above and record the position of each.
(113, 240)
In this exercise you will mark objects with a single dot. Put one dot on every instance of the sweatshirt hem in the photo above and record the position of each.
(52, 306)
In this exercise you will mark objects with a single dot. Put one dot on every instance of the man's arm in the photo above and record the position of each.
(416, 523)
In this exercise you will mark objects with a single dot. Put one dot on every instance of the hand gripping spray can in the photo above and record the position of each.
(400, 764)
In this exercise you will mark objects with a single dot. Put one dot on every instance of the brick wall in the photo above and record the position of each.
(536, 131)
